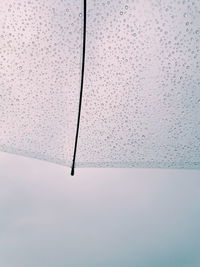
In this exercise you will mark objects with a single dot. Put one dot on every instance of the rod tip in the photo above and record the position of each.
(72, 172)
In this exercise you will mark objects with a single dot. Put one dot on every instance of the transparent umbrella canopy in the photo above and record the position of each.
(141, 90)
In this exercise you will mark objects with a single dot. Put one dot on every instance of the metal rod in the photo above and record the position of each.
(81, 89)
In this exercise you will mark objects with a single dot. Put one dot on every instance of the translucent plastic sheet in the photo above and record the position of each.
(40, 51)
(141, 104)
(141, 97)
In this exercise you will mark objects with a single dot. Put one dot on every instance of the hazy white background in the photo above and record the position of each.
(99, 217)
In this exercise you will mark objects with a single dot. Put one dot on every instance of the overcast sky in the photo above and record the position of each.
(100, 217)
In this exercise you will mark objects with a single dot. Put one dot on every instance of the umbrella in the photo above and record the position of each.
(122, 90)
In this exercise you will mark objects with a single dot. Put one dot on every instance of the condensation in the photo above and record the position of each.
(40, 59)
(141, 96)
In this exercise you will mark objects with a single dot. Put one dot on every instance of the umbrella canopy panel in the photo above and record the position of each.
(141, 104)
(40, 51)
(141, 95)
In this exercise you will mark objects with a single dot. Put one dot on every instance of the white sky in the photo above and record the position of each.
(99, 217)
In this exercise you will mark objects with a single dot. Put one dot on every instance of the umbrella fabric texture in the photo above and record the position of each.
(141, 93)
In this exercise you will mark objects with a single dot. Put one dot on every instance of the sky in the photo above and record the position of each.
(99, 217)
